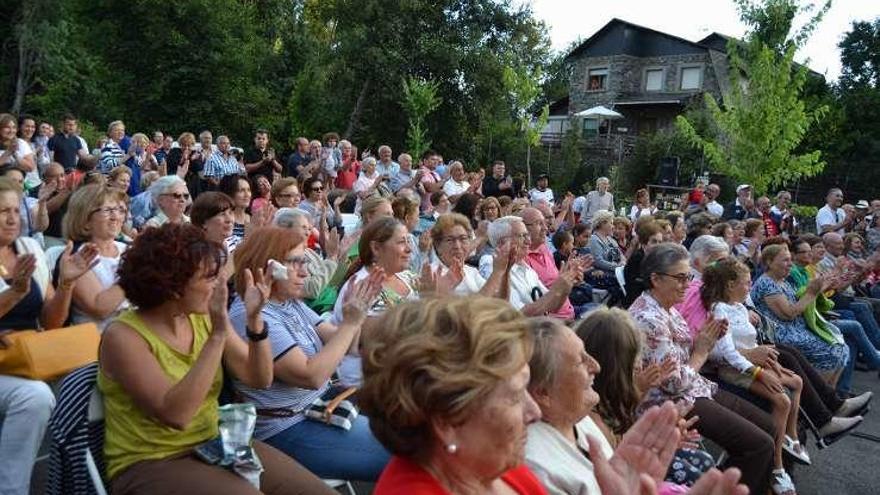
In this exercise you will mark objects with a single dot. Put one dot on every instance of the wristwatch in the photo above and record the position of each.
(256, 337)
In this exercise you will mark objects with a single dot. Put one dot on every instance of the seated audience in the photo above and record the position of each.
(95, 215)
(445, 390)
(160, 370)
(453, 239)
(171, 198)
(775, 298)
(740, 428)
(305, 352)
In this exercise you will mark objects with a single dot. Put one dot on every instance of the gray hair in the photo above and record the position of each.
(544, 363)
(162, 185)
(287, 217)
(705, 246)
(500, 228)
(383, 147)
(602, 216)
(369, 159)
(600, 180)
(661, 258)
(114, 124)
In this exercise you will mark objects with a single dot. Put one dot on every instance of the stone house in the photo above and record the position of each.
(647, 76)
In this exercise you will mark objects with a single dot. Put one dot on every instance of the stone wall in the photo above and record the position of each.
(626, 79)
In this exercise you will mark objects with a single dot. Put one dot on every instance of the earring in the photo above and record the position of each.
(452, 448)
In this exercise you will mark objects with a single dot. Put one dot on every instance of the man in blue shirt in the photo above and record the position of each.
(66, 146)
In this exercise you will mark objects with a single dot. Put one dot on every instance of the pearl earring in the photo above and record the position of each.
(452, 448)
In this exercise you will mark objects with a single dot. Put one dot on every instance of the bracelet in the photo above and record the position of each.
(256, 337)
(756, 372)
(65, 285)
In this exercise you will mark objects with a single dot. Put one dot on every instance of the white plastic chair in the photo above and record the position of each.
(618, 274)
(344, 485)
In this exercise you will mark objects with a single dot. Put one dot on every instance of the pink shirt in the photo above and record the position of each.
(692, 308)
(541, 260)
(428, 177)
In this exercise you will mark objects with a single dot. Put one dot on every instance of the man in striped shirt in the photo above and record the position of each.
(112, 153)
(221, 163)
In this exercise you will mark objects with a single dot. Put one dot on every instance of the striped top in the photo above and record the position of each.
(220, 166)
(291, 324)
(111, 157)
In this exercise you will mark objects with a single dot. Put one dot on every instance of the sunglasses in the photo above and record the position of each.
(317, 189)
(178, 196)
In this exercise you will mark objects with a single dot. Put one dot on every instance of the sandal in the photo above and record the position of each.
(794, 448)
(781, 483)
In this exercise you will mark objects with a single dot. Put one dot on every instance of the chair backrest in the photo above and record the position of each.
(96, 406)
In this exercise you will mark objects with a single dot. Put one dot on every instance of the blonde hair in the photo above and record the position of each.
(448, 221)
(139, 136)
(437, 358)
(81, 206)
(188, 137)
(602, 217)
(116, 172)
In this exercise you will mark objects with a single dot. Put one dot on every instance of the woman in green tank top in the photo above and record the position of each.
(161, 370)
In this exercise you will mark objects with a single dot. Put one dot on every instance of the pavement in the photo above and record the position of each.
(845, 467)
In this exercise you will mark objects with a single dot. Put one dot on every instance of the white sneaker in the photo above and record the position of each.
(782, 484)
(797, 451)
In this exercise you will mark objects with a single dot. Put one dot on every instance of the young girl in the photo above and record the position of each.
(744, 364)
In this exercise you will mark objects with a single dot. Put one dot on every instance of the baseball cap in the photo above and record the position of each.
(742, 186)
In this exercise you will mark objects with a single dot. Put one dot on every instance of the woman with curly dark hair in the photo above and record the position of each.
(161, 371)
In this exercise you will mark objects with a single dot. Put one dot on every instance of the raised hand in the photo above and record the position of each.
(74, 266)
(23, 273)
(361, 297)
(447, 282)
(256, 291)
(219, 300)
(345, 246)
(501, 261)
(331, 244)
(709, 334)
(425, 241)
(643, 455)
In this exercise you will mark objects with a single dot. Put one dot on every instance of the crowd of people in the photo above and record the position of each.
(501, 339)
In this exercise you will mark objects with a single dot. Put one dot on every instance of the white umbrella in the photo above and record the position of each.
(600, 112)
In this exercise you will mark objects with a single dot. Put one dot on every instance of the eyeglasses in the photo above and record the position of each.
(287, 195)
(682, 278)
(109, 210)
(178, 196)
(317, 189)
(464, 239)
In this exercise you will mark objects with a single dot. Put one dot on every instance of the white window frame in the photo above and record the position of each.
(662, 72)
(700, 70)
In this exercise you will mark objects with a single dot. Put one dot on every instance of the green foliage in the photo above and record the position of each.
(299, 68)
(755, 136)
(419, 100)
(860, 55)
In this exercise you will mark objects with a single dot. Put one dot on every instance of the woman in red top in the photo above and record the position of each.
(445, 389)
(350, 167)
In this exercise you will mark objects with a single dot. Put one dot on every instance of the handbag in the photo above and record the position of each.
(333, 408)
(47, 355)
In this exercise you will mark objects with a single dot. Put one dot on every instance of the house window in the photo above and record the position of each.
(654, 80)
(591, 127)
(691, 77)
(597, 79)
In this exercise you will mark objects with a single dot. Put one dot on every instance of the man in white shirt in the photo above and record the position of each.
(541, 192)
(831, 217)
(713, 206)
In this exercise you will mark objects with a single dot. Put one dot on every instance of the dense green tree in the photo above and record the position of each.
(756, 135)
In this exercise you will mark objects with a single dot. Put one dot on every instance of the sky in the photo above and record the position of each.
(569, 20)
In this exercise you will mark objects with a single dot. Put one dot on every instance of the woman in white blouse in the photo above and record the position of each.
(453, 240)
(95, 214)
(457, 183)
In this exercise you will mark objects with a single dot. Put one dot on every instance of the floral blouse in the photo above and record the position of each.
(666, 334)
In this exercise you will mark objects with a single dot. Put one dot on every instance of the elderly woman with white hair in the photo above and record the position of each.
(370, 181)
(598, 200)
(526, 292)
(320, 270)
(171, 196)
(705, 250)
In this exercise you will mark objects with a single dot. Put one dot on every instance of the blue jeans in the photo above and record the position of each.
(864, 314)
(857, 341)
(331, 452)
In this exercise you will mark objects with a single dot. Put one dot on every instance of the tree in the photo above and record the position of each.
(755, 136)
(419, 100)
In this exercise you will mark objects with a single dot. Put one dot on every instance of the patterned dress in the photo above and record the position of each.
(822, 355)
(666, 335)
